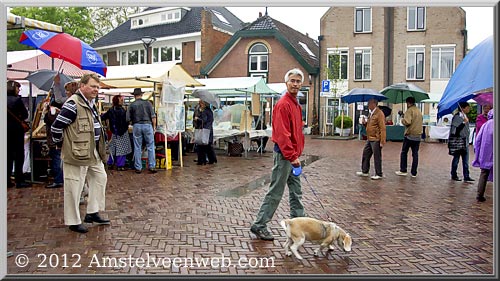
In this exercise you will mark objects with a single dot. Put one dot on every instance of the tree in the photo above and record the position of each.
(74, 20)
(109, 18)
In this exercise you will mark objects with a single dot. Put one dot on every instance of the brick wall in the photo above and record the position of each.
(212, 40)
(235, 64)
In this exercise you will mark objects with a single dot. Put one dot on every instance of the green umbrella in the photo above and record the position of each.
(397, 93)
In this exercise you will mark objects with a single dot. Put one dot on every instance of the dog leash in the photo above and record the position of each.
(317, 198)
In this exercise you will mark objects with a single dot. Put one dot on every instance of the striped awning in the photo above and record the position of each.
(18, 22)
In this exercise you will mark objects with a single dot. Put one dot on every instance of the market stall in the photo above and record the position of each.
(254, 90)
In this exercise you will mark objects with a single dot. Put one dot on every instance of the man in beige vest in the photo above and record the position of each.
(78, 128)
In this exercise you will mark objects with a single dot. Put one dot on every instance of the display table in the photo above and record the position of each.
(443, 132)
(395, 133)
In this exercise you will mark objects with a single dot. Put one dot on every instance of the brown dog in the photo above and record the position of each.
(326, 234)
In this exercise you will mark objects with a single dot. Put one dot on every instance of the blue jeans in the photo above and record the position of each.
(414, 145)
(140, 132)
(465, 163)
(55, 165)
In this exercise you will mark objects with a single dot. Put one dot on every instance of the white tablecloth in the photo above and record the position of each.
(443, 132)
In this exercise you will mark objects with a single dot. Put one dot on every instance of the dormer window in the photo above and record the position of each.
(155, 17)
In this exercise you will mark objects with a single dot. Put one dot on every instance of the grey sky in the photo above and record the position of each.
(479, 20)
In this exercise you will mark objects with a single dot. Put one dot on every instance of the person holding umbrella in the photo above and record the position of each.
(376, 135)
(483, 148)
(460, 129)
(204, 119)
(412, 119)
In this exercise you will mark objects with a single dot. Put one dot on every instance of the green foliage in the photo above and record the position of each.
(472, 115)
(106, 19)
(75, 21)
(347, 121)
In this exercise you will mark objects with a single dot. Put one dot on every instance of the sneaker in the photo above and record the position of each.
(413, 176)
(91, 218)
(138, 171)
(399, 173)
(456, 179)
(480, 199)
(262, 233)
(376, 177)
(361, 174)
(468, 180)
(152, 170)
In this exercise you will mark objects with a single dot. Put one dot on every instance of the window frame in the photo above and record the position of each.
(439, 49)
(416, 10)
(340, 52)
(370, 53)
(418, 50)
(259, 55)
(362, 10)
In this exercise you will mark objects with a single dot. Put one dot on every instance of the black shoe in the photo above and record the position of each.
(480, 199)
(456, 178)
(138, 171)
(23, 184)
(262, 233)
(90, 218)
(78, 228)
(152, 170)
(54, 185)
(468, 179)
(10, 184)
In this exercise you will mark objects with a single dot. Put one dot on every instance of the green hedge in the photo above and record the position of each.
(347, 121)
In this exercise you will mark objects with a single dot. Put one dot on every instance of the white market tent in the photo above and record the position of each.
(147, 75)
(236, 86)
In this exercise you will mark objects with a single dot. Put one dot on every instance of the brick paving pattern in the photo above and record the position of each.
(399, 225)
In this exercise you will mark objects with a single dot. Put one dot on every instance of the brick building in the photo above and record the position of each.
(380, 46)
(189, 36)
(268, 48)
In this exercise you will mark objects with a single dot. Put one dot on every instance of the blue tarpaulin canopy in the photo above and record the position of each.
(473, 75)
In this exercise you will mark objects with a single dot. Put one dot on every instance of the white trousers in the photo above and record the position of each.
(74, 179)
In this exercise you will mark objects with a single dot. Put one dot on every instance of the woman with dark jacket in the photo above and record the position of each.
(16, 113)
(203, 119)
(119, 146)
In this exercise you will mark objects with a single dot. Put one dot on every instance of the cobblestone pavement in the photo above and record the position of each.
(400, 225)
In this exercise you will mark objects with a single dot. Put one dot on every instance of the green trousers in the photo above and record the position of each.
(281, 176)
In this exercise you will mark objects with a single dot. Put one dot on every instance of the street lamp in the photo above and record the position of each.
(147, 41)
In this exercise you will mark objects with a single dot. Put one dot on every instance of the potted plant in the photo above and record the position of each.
(346, 131)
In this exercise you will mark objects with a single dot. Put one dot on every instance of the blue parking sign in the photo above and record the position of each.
(325, 86)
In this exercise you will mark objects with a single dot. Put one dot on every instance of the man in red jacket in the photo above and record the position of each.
(288, 146)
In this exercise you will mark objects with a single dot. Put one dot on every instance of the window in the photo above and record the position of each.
(363, 20)
(415, 63)
(258, 59)
(416, 18)
(141, 22)
(306, 48)
(442, 62)
(362, 64)
(105, 58)
(133, 57)
(337, 63)
(167, 53)
(221, 17)
(163, 17)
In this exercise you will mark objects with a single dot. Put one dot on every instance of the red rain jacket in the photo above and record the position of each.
(287, 127)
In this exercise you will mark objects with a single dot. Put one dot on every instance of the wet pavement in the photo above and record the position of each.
(399, 225)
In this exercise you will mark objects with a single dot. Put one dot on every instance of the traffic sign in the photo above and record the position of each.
(325, 86)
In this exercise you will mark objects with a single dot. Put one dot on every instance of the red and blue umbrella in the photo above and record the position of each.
(66, 47)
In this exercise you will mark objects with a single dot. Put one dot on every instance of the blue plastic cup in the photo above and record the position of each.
(296, 171)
